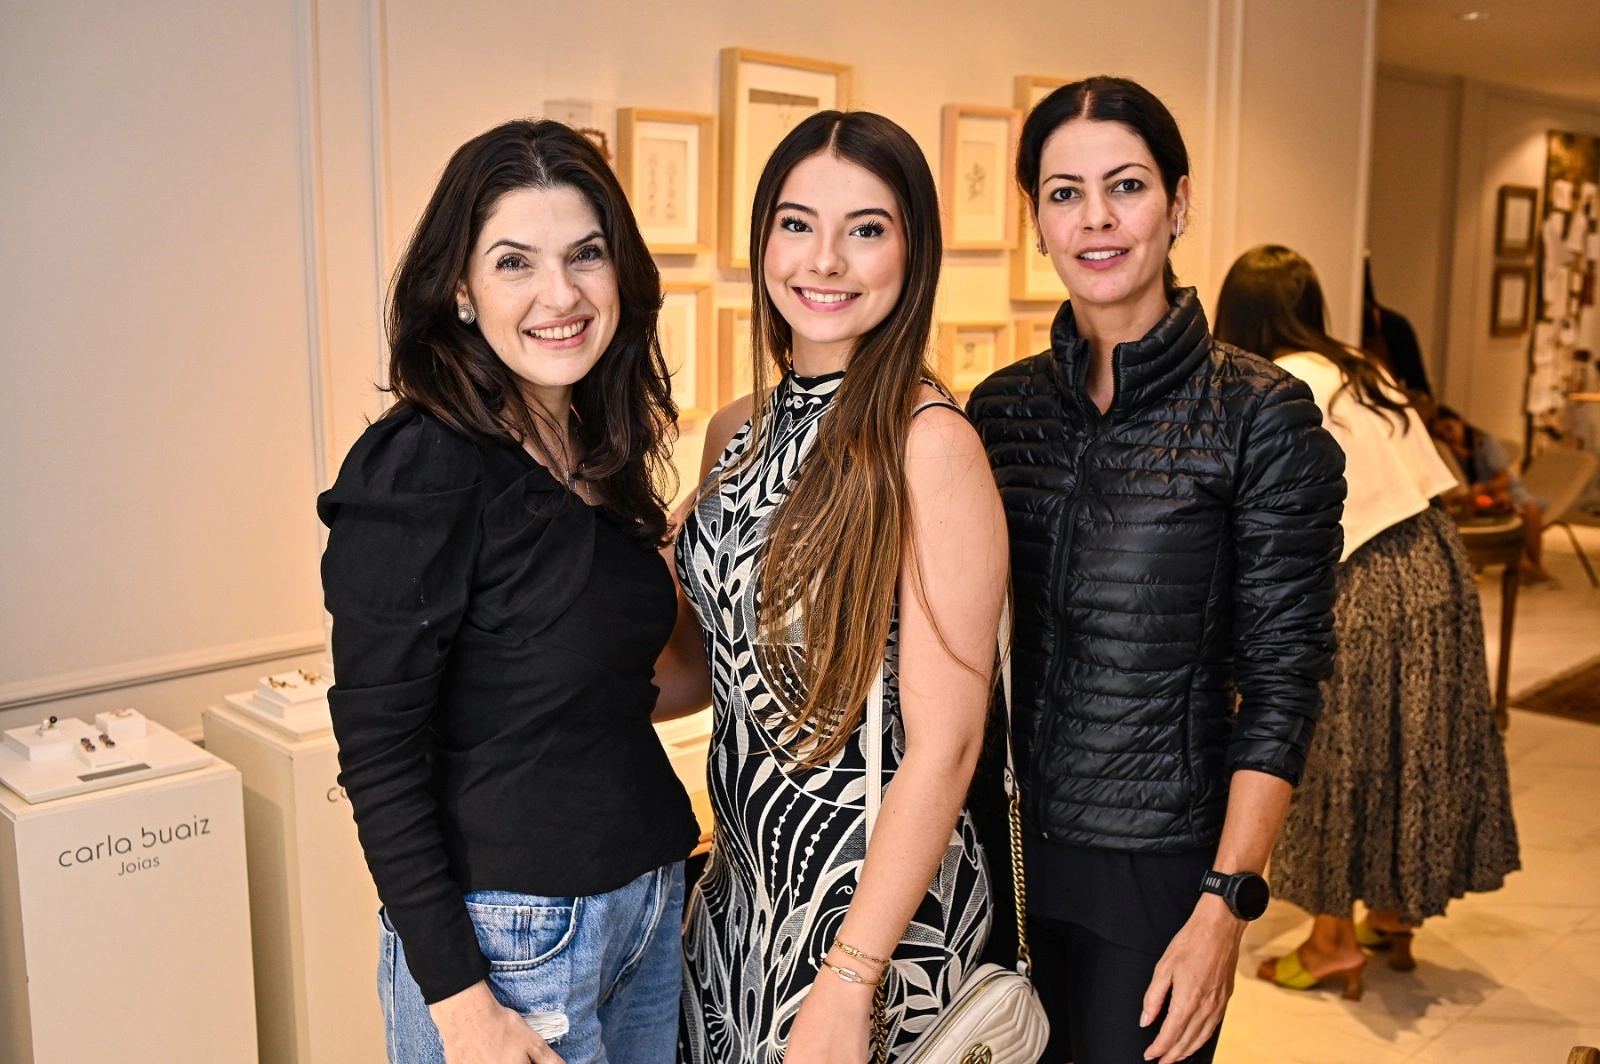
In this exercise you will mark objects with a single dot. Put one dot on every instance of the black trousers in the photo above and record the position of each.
(1093, 991)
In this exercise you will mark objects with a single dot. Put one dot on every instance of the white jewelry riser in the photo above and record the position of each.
(125, 925)
(313, 722)
(42, 770)
(313, 908)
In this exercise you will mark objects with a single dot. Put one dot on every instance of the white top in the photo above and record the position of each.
(1391, 474)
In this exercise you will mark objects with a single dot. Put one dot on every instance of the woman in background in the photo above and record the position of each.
(1173, 508)
(498, 604)
(1405, 802)
(1492, 485)
(849, 534)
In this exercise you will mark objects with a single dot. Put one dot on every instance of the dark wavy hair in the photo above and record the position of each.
(1105, 99)
(1271, 303)
(624, 413)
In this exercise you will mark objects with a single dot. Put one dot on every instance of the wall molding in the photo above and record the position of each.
(308, 58)
(155, 670)
(1369, 93)
(382, 222)
(1494, 88)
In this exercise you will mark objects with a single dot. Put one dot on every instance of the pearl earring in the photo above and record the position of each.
(466, 314)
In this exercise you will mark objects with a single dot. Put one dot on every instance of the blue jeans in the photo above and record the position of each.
(598, 977)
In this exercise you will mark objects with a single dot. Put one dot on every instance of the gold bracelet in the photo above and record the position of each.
(850, 975)
(846, 948)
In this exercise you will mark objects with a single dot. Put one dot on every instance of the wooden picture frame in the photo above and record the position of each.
(1515, 221)
(1510, 300)
(684, 327)
(979, 201)
(735, 369)
(763, 96)
(971, 350)
(1032, 332)
(1033, 276)
(1029, 89)
(667, 164)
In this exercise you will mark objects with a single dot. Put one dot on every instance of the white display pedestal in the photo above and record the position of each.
(125, 925)
(313, 909)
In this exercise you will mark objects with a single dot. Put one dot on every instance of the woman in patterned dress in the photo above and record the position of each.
(1405, 803)
(849, 528)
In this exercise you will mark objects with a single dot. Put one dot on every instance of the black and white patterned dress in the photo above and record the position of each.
(789, 845)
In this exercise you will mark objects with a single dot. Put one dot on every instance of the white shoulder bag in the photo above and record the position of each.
(995, 1017)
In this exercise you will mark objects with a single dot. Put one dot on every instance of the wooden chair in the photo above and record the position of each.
(1560, 476)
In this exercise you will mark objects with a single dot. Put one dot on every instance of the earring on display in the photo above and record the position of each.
(467, 315)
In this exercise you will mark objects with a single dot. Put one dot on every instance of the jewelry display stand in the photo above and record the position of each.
(124, 922)
(58, 758)
(295, 704)
(313, 909)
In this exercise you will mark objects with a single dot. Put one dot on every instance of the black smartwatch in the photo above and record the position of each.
(1245, 892)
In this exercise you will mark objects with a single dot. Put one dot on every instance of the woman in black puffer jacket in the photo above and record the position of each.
(1174, 513)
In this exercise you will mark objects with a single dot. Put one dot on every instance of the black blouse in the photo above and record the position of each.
(493, 650)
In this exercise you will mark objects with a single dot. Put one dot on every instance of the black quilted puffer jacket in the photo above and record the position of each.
(1167, 556)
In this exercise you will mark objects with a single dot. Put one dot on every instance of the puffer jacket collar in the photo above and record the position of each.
(1144, 370)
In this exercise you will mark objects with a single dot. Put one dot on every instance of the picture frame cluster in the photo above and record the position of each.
(691, 180)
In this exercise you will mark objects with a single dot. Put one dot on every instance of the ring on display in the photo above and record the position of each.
(276, 684)
(310, 677)
(48, 724)
(86, 743)
(108, 741)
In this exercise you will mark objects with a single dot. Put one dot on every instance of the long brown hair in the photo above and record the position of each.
(833, 554)
(623, 406)
(1271, 302)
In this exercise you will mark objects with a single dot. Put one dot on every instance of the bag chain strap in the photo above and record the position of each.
(874, 797)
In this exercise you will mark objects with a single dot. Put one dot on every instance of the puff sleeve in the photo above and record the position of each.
(1289, 497)
(397, 576)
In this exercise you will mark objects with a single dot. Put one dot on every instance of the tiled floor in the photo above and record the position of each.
(1511, 977)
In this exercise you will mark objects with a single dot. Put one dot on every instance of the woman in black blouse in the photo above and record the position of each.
(499, 605)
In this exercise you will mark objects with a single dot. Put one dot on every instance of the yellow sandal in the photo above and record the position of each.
(1290, 971)
(1396, 943)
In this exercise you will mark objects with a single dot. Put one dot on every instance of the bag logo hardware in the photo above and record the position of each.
(978, 1054)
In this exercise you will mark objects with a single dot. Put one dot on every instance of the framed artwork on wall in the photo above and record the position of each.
(764, 96)
(1033, 334)
(1513, 289)
(1029, 89)
(685, 330)
(971, 350)
(666, 161)
(979, 200)
(735, 374)
(1033, 276)
(1515, 211)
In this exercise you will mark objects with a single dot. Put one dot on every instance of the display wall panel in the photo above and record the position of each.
(1302, 126)
(251, 174)
(157, 414)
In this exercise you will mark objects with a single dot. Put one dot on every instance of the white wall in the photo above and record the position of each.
(1411, 211)
(214, 197)
(157, 419)
(1442, 150)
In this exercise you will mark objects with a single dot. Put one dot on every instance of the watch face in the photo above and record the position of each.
(1250, 899)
